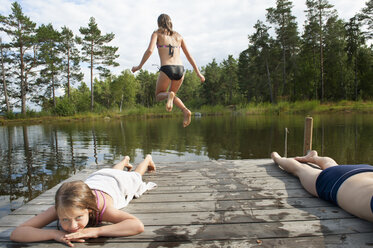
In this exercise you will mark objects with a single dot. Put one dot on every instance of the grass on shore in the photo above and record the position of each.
(309, 107)
(300, 107)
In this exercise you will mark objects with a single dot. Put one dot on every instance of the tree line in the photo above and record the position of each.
(39, 60)
(330, 60)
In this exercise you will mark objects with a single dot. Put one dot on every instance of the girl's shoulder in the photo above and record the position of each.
(174, 34)
(156, 33)
(177, 35)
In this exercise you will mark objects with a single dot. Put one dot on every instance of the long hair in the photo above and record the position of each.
(77, 194)
(165, 24)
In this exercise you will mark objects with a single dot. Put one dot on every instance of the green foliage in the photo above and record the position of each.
(81, 98)
(190, 90)
(146, 93)
(10, 115)
(211, 88)
(124, 89)
(64, 107)
(366, 16)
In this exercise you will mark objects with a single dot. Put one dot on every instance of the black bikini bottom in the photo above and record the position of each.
(173, 72)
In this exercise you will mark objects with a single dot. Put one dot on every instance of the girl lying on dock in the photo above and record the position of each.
(81, 206)
(347, 186)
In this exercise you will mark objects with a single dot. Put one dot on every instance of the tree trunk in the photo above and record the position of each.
(53, 91)
(92, 76)
(3, 77)
(283, 58)
(269, 80)
(321, 58)
(355, 79)
(68, 72)
(283, 69)
(314, 49)
(23, 83)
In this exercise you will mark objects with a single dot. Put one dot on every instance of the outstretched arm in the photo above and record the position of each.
(191, 60)
(124, 224)
(31, 230)
(148, 52)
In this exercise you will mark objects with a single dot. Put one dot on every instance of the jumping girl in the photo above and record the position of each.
(171, 74)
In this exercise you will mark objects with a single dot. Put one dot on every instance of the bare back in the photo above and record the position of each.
(164, 40)
(355, 195)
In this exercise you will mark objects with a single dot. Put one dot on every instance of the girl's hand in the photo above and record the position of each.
(202, 78)
(135, 68)
(80, 235)
(60, 237)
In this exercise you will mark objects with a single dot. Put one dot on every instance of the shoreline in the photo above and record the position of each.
(296, 108)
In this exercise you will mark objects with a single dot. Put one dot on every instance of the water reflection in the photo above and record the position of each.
(35, 158)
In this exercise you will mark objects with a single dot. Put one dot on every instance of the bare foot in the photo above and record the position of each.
(275, 155)
(151, 165)
(126, 161)
(288, 164)
(187, 117)
(310, 157)
(170, 101)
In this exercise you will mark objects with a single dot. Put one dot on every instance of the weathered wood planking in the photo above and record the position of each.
(240, 203)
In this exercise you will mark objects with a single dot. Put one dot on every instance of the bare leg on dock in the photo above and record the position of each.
(146, 165)
(124, 163)
(313, 157)
(306, 174)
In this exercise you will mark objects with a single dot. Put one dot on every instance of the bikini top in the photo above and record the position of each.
(99, 215)
(170, 48)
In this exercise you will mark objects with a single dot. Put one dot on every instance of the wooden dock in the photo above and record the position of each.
(224, 203)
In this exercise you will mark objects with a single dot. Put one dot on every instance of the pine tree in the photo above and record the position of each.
(21, 30)
(50, 56)
(210, 88)
(355, 40)
(96, 52)
(319, 11)
(287, 36)
(366, 16)
(228, 79)
(71, 60)
(261, 45)
(309, 60)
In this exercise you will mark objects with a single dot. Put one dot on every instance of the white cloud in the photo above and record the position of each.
(211, 28)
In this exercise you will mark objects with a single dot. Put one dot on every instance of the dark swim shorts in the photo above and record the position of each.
(330, 179)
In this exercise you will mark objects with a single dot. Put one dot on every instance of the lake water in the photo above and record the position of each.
(34, 158)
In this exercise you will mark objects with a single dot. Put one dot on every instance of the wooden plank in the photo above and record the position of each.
(168, 196)
(226, 216)
(241, 231)
(331, 241)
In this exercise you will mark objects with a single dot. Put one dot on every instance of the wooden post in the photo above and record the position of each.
(286, 142)
(308, 126)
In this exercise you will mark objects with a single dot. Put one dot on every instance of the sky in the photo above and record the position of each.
(212, 29)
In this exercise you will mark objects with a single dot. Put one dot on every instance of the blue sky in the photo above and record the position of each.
(211, 28)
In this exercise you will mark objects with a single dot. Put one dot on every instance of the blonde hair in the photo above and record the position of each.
(165, 24)
(77, 194)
